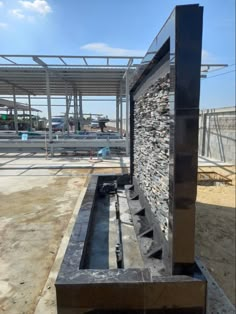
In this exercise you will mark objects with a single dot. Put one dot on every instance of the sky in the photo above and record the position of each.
(118, 27)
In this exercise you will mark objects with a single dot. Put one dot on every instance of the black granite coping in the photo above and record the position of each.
(107, 276)
(73, 258)
(162, 294)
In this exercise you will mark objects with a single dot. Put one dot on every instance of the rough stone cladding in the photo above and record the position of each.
(151, 147)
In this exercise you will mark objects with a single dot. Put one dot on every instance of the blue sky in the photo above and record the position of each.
(118, 27)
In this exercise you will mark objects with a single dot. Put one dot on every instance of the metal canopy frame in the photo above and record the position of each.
(85, 61)
(66, 76)
(48, 76)
(9, 105)
(88, 75)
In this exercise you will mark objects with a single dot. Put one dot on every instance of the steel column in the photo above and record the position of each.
(117, 113)
(67, 115)
(204, 128)
(30, 114)
(49, 105)
(67, 111)
(15, 110)
(208, 133)
(75, 111)
(121, 114)
(81, 111)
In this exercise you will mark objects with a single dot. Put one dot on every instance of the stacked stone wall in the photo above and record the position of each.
(151, 147)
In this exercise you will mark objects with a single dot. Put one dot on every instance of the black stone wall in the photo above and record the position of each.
(151, 147)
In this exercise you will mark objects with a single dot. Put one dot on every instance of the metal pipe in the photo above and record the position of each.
(30, 113)
(49, 105)
(117, 113)
(32, 65)
(15, 110)
(81, 111)
(74, 56)
(119, 244)
(44, 97)
(67, 111)
(75, 111)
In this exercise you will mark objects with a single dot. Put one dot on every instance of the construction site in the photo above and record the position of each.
(128, 215)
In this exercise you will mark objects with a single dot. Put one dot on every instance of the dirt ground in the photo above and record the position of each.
(34, 214)
(215, 230)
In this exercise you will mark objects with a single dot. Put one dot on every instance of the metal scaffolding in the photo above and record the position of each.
(67, 77)
(50, 77)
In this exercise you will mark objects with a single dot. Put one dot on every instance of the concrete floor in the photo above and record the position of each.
(40, 199)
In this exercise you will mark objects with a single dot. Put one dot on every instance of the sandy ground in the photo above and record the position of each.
(34, 215)
(215, 230)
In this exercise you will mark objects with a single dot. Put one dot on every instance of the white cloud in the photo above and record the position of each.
(103, 48)
(205, 54)
(207, 57)
(40, 6)
(1, 4)
(31, 19)
(3, 25)
(17, 13)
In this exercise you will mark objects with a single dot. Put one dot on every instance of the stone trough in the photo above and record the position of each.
(106, 269)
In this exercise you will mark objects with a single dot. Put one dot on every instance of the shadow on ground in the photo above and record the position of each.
(215, 243)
